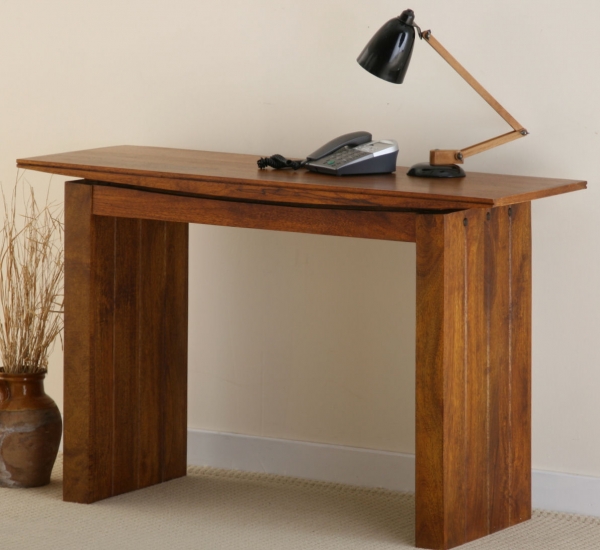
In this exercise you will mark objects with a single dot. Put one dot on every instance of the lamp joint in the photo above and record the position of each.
(459, 156)
(524, 132)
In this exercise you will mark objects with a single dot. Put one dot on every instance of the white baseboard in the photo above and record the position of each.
(566, 492)
(365, 467)
(335, 463)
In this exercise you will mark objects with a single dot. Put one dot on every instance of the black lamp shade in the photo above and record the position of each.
(388, 53)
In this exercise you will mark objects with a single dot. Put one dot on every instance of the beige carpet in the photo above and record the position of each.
(215, 509)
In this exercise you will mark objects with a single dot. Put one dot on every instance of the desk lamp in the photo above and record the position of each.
(387, 56)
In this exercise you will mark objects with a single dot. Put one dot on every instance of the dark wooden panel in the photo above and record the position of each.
(476, 378)
(451, 461)
(89, 418)
(498, 306)
(473, 467)
(454, 369)
(126, 355)
(77, 358)
(114, 201)
(175, 334)
(237, 177)
(520, 362)
(102, 362)
(443, 446)
(430, 376)
(89, 365)
(125, 351)
(152, 273)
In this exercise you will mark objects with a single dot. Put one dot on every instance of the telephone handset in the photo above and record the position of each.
(351, 140)
(349, 154)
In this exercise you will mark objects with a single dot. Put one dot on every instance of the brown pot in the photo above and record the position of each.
(30, 431)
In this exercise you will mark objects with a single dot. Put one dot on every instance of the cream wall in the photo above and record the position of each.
(311, 337)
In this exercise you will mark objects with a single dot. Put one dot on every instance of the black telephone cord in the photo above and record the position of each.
(279, 162)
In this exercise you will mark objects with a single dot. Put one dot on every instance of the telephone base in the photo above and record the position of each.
(427, 170)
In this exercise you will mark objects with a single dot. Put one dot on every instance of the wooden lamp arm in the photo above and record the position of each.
(438, 156)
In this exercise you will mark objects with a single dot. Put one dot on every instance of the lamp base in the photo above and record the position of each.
(426, 170)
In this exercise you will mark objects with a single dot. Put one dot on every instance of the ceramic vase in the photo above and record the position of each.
(30, 431)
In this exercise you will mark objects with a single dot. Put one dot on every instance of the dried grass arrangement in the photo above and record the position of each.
(31, 281)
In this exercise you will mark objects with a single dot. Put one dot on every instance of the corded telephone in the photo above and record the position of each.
(346, 155)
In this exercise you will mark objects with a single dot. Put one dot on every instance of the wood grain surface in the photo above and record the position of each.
(370, 224)
(125, 351)
(126, 254)
(236, 177)
(473, 452)
(520, 363)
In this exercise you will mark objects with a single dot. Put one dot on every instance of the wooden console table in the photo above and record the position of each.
(126, 298)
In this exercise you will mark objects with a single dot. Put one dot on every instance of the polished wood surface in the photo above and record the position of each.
(369, 224)
(236, 177)
(126, 288)
(125, 357)
(519, 363)
(473, 452)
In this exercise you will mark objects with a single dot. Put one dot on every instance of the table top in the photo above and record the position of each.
(236, 177)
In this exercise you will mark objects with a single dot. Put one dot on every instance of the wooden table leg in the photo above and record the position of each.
(473, 383)
(126, 299)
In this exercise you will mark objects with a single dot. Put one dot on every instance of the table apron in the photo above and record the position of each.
(367, 224)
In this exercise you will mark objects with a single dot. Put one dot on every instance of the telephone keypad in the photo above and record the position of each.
(343, 156)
